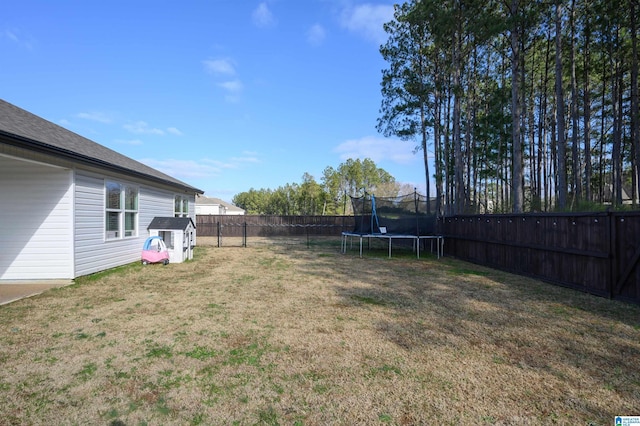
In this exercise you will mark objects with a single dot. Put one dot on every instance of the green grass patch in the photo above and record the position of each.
(202, 353)
(268, 416)
(162, 407)
(159, 351)
(119, 270)
(321, 255)
(385, 370)
(467, 271)
(249, 355)
(385, 418)
(80, 335)
(169, 380)
(369, 300)
(274, 263)
(87, 371)
(244, 279)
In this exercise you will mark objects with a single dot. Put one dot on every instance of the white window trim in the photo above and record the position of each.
(122, 211)
(184, 202)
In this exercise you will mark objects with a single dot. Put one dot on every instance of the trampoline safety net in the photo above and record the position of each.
(400, 215)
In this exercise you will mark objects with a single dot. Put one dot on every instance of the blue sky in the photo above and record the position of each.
(226, 95)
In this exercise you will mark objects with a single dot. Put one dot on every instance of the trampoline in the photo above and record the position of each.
(392, 219)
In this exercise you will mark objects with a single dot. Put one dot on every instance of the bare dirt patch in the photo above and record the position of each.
(290, 334)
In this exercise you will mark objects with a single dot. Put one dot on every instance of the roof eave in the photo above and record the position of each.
(43, 148)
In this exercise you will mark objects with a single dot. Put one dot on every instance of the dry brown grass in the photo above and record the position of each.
(292, 335)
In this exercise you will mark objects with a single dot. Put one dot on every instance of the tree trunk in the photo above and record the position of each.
(437, 147)
(635, 108)
(601, 164)
(560, 131)
(516, 114)
(470, 200)
(425, 155)
(447, 154)
(457, 113)
(530, 114)
(616, 151)
(575, 160)
(587, 112)
(542, 152)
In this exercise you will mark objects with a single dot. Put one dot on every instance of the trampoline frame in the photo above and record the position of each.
(438, 239)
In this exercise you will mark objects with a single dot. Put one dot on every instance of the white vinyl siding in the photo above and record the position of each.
(156, 203)
(95, 253)
(52, 220)
(36, 221)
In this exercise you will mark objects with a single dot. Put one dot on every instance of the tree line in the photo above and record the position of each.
(523, 105)
(329, 197)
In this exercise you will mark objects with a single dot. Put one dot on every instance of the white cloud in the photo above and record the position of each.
(316, 35)
(183, 169)
(246, 159)
(16, 37)
(367, 20)
(134, 142)
(142, 128)
(11, 35)
(196, 169)
(220, 66)
(262, 16)
(95, 116)
(377, 149)
(174, 131)
(233, 88)
(225, 67)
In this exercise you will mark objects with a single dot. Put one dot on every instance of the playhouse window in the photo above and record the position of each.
(121, 212)
(167, 237)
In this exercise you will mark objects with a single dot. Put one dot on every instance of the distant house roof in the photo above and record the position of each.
(212, 201)
(25, 130)
(609, 194)
(180, 223)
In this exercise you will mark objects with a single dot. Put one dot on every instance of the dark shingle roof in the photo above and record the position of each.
(27, 130)
(170, 223)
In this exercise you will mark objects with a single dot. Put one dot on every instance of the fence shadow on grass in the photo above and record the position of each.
(517, 321)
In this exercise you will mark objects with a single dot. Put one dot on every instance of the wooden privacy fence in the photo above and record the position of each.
(596, 252)
(248, 226)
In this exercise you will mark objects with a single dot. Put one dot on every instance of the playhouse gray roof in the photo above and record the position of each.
(26, 130)
(161, 223)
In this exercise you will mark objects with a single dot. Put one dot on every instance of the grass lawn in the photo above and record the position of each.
(290, 335)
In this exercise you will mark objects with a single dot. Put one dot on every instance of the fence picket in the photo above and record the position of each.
(593, 252)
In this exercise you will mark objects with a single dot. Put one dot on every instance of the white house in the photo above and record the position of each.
(210, 205)
(69, 206)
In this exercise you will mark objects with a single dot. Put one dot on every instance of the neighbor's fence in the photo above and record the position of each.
(597, 252)
(254, 226)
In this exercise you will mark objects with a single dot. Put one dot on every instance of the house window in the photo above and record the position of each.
(121, 212)
(181, 206)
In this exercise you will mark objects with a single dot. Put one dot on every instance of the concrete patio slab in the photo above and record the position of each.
(10, 291)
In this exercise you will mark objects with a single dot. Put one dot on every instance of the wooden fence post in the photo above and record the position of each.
(613, 256)
(244, 234)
